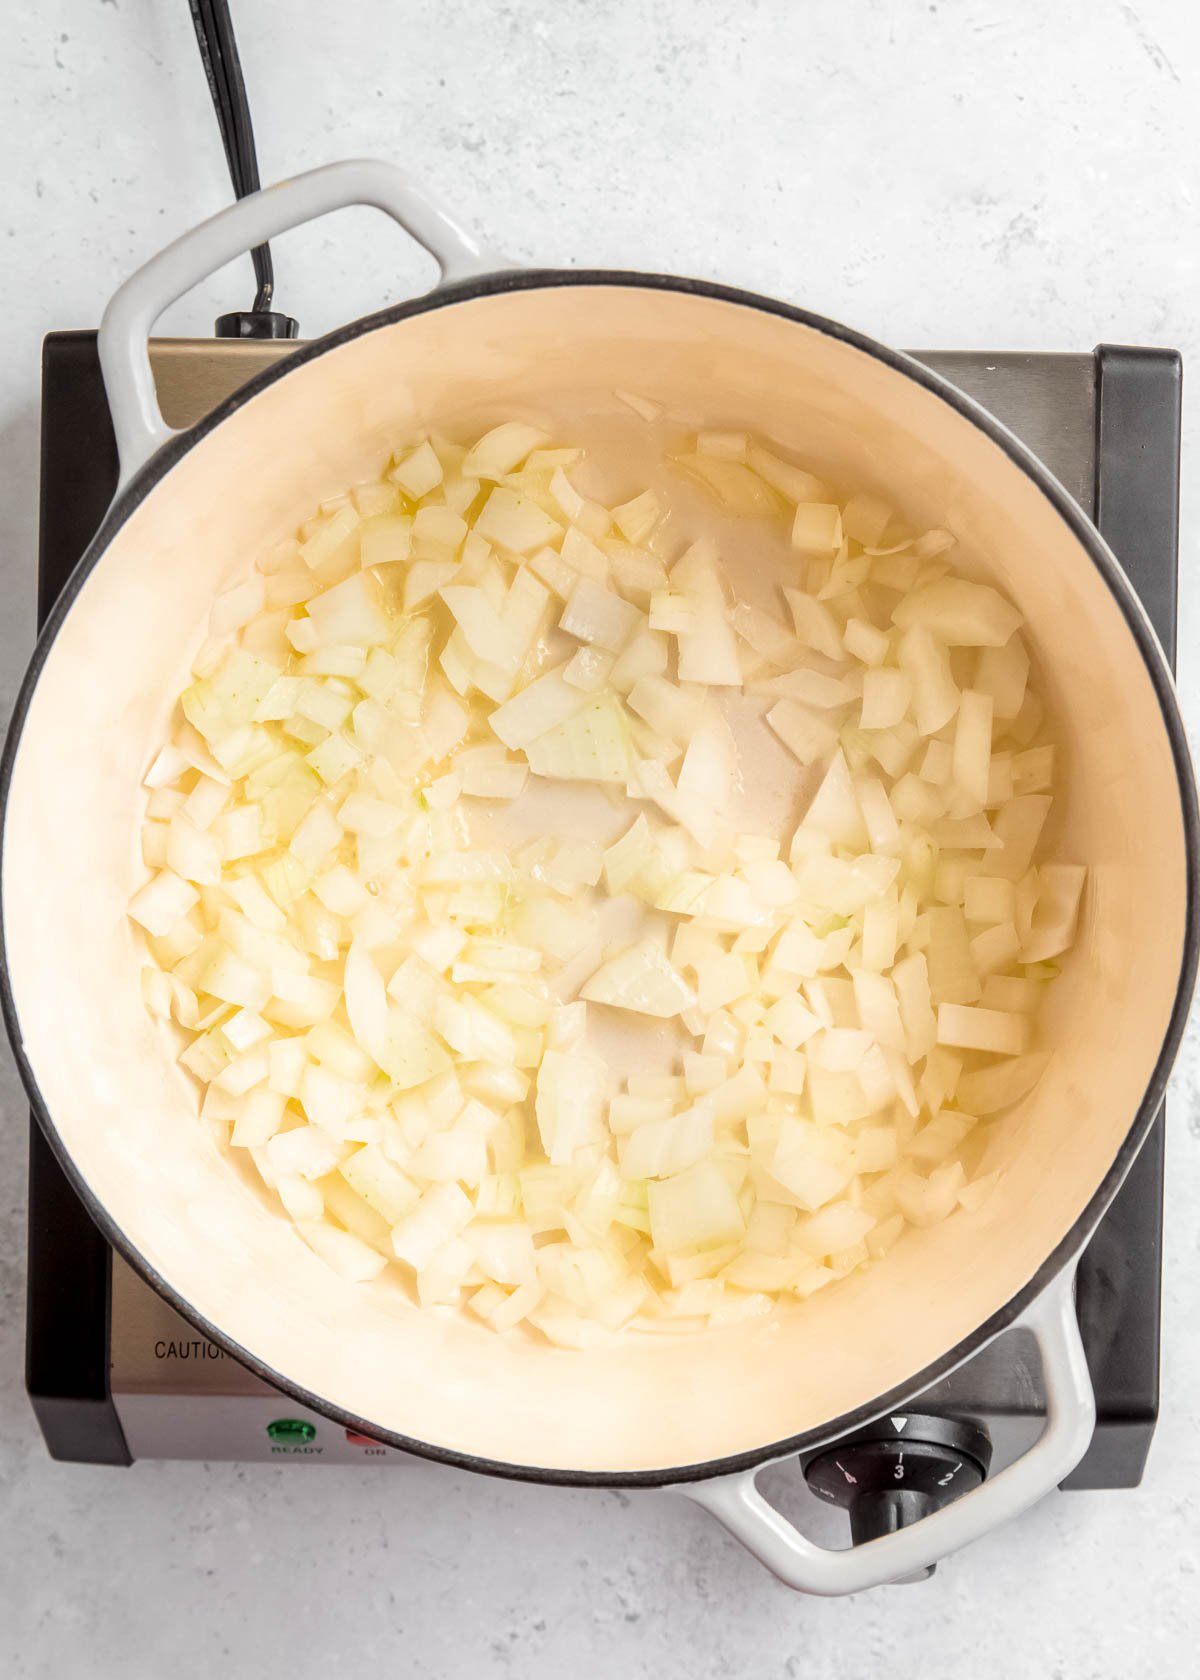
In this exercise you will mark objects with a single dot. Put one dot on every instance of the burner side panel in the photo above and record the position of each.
(68, 1298)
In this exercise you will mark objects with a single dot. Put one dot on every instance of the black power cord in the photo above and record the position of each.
(226, 84)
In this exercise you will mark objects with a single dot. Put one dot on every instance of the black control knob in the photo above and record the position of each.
(899, 1469)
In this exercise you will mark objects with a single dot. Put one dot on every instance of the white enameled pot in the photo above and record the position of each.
(702, 1413)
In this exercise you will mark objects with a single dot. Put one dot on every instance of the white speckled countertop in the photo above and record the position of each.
(998, 173)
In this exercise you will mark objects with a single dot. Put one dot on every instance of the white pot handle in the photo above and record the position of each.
(125, 330)
(1070, 1418)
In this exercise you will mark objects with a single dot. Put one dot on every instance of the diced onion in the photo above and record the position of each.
(386, 919)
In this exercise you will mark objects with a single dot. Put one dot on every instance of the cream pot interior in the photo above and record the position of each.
(127, 1116)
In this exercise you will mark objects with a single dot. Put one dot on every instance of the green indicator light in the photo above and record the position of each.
(291, 1432)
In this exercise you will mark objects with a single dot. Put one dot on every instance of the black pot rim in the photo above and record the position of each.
(160, 464)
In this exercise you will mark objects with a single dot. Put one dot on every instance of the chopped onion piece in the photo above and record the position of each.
(515, 522)
(817, 528)
(816, 627)
(592, 745)
(162, 902)
(501, 450)
(886, 697)
(696, 1209)
(982, 1029)
(642, 979)
(972, 754)
(570, 1103)
(791, 481)
(636, 519)
(1052, 926)
(708, 648)
(1002, 672)
(541, 706)
(935, 694)
(595, 614)
(805, 733)
(960, 613)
